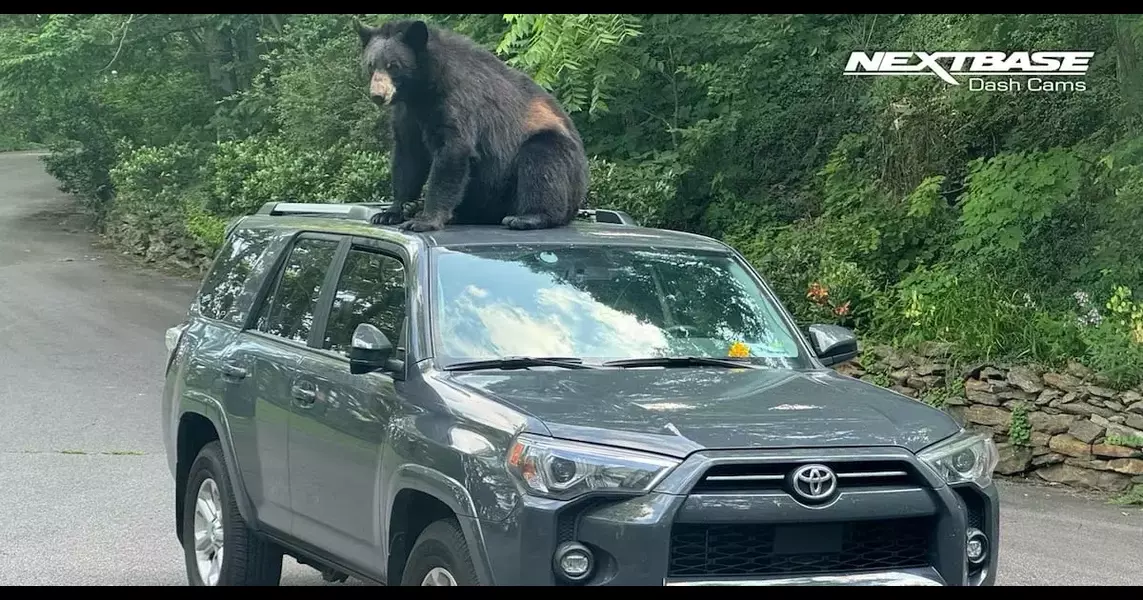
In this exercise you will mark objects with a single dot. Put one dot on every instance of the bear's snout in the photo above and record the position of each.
(381, 88)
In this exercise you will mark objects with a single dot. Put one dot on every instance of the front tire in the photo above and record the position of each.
(440, 556)
(218, 547)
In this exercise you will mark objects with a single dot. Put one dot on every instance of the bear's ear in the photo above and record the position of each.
(417, 35)
(364, 31)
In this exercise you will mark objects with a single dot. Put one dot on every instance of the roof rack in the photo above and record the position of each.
(606, 215)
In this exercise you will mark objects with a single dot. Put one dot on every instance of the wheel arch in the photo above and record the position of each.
(422, 496)
(195, 430)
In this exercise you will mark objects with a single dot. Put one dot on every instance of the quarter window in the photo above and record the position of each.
(227, 292)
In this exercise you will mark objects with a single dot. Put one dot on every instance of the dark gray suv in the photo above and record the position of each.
(600, 404)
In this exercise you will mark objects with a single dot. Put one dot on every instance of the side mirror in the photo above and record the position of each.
(370, 351)
(833, 344)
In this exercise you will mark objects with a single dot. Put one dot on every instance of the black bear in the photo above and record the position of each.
(492, 145)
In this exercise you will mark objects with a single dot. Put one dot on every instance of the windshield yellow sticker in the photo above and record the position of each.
(738, 350)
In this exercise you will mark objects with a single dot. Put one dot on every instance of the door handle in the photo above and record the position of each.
(303, 396)
(233, 371)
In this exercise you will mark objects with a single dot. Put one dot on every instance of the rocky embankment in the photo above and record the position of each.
(159, 240)
(1063, 426)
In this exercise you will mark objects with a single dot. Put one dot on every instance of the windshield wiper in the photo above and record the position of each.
(519, 362)
(680, 361)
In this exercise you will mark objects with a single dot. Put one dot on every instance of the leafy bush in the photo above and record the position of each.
(642, 189)
(154, 194)
(209, 184)
(84, 170)
(1010, 195)
(245, 174)
(1114, 339)
(969, 307)
(154, 178)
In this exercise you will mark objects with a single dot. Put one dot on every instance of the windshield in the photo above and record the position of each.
(603, 303)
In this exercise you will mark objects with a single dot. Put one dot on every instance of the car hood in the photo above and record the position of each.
(677, 411)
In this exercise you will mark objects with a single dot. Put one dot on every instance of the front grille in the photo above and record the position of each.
(799, 549)
(765, 477)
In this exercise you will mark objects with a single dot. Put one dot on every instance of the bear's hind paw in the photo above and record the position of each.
(525, 222)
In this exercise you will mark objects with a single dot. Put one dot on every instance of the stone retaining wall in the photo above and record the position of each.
(1063, 426)
(160, 240)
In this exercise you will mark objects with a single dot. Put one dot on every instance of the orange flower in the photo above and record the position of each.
(842, 310)
(818, 293)
(738, 350)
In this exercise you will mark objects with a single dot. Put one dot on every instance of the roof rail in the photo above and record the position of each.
(606, 215)
(368, 211)
(355, 211)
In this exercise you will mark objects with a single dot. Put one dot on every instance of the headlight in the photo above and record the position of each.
(965, 458)
(563, 470)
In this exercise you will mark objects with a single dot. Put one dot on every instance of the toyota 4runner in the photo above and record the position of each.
(599, 404)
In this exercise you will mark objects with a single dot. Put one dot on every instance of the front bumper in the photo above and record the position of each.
(908, 530)
(912, 577)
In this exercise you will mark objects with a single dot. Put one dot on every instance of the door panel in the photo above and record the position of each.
(257, 369)
(335, 457)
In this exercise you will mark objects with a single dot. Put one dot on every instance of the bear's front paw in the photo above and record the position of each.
(391, 216)
(422, 224)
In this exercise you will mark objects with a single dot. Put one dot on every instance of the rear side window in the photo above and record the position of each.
(290, 311)
(228, 290)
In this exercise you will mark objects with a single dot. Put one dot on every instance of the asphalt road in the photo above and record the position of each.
(85, 495)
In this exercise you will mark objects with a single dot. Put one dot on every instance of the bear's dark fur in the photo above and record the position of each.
(492, 145)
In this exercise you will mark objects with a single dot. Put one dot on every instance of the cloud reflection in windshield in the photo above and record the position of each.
(600, 303)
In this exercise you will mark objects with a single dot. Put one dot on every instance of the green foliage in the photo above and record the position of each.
(878, 379)
(1134, 441)
(152, 178)
(575, 56)
(1115, 341)
(935, 398)
(155, 192)
(1133, 497)
(1019, 428)
(639, 188)
(939, 397)
(1010, 195)
(310, 88)
(245, 174)
(908, 209)
(969, 308)
(204, 227)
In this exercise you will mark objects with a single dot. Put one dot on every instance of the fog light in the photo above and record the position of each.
(976, 546)
(573, 561)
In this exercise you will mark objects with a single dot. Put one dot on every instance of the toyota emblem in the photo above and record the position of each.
(813, 483)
